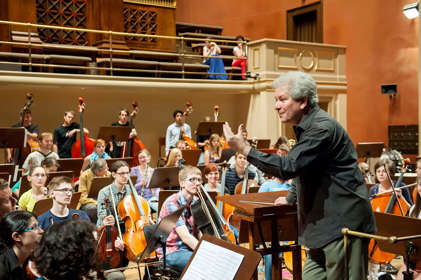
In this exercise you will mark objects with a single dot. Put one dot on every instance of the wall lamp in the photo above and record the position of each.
(411, 10)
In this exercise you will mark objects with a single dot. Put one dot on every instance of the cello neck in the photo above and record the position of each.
(136, 198)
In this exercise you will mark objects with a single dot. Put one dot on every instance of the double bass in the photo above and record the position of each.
(84, 145)
(134, 145)
(191, 145)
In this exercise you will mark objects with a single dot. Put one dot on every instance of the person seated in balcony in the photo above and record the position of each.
(240, 59)
(216, 65)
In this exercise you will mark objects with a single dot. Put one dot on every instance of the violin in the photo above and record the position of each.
(191, 145)
(134, 145)
(135, 213)
(109, 254)
(387, 203)
(84, 145)
(208, 219)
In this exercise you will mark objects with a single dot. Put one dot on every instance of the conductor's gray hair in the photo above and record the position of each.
(299, 85)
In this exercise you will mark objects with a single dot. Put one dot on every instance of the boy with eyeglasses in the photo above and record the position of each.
(184, 237)
(61, 191)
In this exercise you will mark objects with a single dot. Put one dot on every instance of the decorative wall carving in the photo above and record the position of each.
(68, 13)
(141, 21)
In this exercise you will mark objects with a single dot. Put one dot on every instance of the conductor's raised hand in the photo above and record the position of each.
(236, 141)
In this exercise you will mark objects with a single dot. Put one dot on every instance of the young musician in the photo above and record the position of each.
(211, 172)
(37, 178)
(31, 129)
(67, 251)
(61, 190)
(236, 174)
(45, 150)
(213, 153)
(184, 237)
(176, 130)
(116, 148)
(174, 158)
(144, 174)
(383, 182)
(7, 200)
(99, 168)
(65, 135)
(19, 235)
(99, 152)
(240, 54)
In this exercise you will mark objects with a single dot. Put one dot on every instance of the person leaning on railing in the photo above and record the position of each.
(240, 54)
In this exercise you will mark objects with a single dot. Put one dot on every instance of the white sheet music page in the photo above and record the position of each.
(213, 262)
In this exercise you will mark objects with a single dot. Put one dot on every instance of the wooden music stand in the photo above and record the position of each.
(261, 223)
(393, 225)
(248, 265)
(369, 149)
(11, 169)
(110, 161)
(208, 128)
(99, 183)
(164, 177)
(45, 204)
(13, 138)
(114, 133)
(71, 164)
(261, 143)
(191, 156)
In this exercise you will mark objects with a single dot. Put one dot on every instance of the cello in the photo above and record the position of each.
(109, 254)
(135, 213)
(134, 145)
(84, 145)
(387, 203)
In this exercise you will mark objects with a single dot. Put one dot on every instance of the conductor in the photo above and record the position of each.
(329, 191)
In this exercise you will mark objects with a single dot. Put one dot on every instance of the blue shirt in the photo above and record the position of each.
(48, 218)
(274, 186)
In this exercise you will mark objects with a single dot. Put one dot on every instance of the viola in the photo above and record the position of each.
(32, 271)
(135, 213)
(387, 203)
(84, 145)
(134, 145)
(109, 254)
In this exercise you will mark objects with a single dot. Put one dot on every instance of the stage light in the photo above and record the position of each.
(411, 10)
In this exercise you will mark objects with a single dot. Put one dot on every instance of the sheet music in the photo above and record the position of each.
(213, 262)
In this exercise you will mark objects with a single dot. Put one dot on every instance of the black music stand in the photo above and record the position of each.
(13, 138)
(191, 157)
(261, 143)
(369, 149)
(208, 128)
(164, 177)
(114, 133)
(99, 183)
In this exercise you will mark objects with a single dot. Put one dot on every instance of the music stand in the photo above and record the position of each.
(110, 161)
(164, 177)
(208, 128)
(114, 133)
(158, 233)
(369, 149)
(261, 143)
(12, 137)
(248, 265)
(393, 225)
(11, 169)
(191, 156)
(73, 164)
(99, 183)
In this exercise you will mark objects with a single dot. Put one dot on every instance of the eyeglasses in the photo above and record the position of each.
(123, 173)
(65, 190)
(195, 180)
(34, 227)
